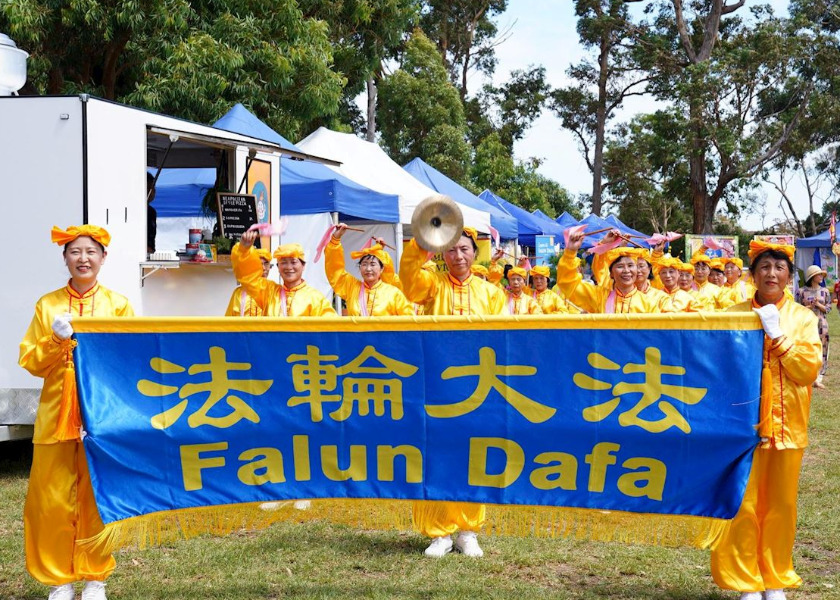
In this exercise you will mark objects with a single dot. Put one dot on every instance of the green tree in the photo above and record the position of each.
(363, 33)
(465, 34)
(189, 59)
(721, 73)
(518, 182)
(511, 108)
(599, 87)
(421, 112)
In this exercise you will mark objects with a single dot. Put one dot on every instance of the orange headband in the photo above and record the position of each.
(375, 250)
(734, 260)
(289, 251)
(264, 254)
(61, 237)
(757, 247)
(480, 269)
(541, 270)
(517, 271)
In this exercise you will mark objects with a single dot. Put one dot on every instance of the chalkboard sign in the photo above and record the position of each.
(237, 212)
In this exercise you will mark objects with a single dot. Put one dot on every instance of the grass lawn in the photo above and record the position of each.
(319, 560)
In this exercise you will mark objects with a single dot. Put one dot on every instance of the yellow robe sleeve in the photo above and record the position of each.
(495, 272)
(588, 297)
(419, 285)
(601, 271)
(248, 269)
(342, 282)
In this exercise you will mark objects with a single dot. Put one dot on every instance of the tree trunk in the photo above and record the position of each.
(371, 109)
(704, 211)
(601, 123)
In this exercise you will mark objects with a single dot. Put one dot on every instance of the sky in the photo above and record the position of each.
(542, 32)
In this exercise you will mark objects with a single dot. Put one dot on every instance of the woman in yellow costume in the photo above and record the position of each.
(518, 301)
(668, 270)
(686, 279)
(240, 303)
(621, 297)
(60, 508)
(716, 275)
(709, 296)
(294, 298)
(370, 297)
(755, 553)
(739, 289)
(549, 302)
(456, 292)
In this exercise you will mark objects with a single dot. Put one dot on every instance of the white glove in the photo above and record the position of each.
(61, 326)
(769, 316)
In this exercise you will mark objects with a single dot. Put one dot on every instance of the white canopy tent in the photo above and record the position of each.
(367, 164)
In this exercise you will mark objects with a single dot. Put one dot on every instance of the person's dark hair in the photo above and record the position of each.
(150, 180)
(775, 255)
(101, 247)
(474, 245)
(618, 259)
(507, 268)
(381, 265)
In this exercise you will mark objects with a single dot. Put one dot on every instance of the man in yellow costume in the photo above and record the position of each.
(456, 292)
(371, 297)
(240, 303)
(60, 508)
(294, 297)
(549, 302)
(755, 553)
(621, 297)
(519, 302)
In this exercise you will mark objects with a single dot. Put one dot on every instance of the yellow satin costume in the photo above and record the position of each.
(381, 299)
(755, 552)
(594, 298)
(447, 296)
(303, 300)
(240, 298)
(523, 304)
(60, 508)
(550, 303)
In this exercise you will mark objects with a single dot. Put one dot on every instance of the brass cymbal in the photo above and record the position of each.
(437, 223)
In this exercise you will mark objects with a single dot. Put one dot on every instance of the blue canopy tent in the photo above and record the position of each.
(816, 250)
(305, 187)
(529, 225)
(503, 222)
(565, 221)
(594, 223)
(821, 240)
(639, 236)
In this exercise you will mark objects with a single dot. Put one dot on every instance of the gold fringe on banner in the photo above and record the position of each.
(509, 520)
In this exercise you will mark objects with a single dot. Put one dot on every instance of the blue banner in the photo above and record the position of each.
(644, 413)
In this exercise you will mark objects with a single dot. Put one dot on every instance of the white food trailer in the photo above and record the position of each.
(68, 160)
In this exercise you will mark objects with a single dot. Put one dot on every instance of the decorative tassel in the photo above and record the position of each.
(69, 414)
(765, 422)
(522, 521)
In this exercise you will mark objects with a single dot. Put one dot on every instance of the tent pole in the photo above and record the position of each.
(398, 244)
(336, 299)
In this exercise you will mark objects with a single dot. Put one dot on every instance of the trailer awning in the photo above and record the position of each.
(188, 149)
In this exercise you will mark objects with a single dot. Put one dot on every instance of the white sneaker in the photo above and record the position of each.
(62, 592)
(751, 596)
(94, 590)
(439, 547)
(302, 504)
(775, 595)
(467, 544)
